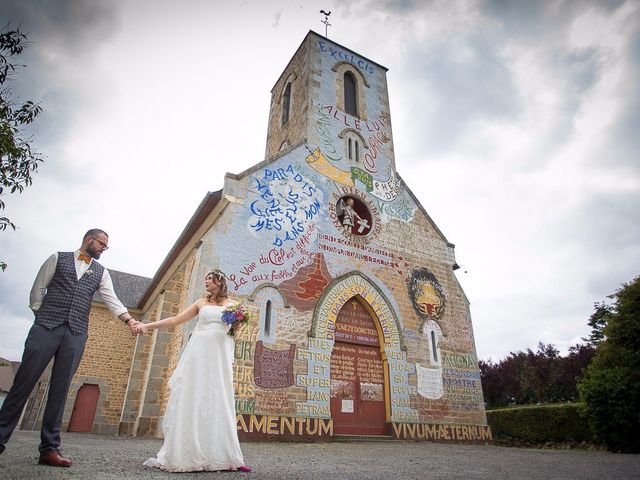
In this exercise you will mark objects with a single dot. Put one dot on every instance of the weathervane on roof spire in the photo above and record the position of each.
(325, 21)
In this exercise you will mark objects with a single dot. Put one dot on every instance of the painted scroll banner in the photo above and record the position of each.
(386, 190)
(320, 164)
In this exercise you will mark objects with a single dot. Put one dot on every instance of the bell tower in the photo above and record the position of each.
(335, 100)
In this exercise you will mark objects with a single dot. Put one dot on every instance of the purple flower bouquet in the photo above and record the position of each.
(235, 315)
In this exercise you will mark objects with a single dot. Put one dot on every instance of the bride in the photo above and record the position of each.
(199, 424)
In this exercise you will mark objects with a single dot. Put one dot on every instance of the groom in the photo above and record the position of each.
(61, 300)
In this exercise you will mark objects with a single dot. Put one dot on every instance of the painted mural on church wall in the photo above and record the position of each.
(328, 220)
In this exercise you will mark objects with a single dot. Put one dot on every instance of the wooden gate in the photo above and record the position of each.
(84, 408)
(357, 375)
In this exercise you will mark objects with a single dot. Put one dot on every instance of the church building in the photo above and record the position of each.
(360, 325)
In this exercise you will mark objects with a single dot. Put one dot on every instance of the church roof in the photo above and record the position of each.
(129, 288)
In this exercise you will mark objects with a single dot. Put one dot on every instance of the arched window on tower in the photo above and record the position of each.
(286, 104)
(267, 319)
(353, 148)
(350, 94)
(353, 145)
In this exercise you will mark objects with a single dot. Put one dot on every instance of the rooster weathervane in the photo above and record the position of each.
(325, 21)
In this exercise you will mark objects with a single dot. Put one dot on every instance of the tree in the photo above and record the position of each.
(570, 370)
(18, 160)
(540, 373)
(502, 381)
(534, 377)
(610, 388)
(597, 322)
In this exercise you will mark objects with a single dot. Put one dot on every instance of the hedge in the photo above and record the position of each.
(557, 423)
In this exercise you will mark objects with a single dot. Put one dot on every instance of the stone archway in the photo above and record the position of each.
(343, 289)
(322, 340)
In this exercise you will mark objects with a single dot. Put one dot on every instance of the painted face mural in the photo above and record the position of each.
(426, 294)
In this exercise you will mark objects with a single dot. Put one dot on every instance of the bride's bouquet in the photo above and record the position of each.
(235, 315)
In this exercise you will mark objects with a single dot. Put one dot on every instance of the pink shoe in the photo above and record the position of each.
(244, 468)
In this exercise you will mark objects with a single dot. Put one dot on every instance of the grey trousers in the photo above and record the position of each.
(41, 346)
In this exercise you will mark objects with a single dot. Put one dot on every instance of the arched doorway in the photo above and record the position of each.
(357, 373)
(84, 408)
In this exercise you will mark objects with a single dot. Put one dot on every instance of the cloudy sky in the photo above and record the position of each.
(515, 123)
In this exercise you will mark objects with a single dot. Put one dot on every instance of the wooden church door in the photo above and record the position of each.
(357, 376)
(84, 408)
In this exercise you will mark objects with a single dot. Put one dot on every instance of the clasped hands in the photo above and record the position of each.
(137, 328)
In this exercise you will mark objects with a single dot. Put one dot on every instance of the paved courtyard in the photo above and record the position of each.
(106, 457)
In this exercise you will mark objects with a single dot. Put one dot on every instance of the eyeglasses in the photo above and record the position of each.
(102, 244)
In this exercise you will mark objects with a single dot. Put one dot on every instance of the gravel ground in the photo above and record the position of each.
(107, 457)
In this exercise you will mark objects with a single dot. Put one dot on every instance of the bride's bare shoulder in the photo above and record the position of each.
(201, 302)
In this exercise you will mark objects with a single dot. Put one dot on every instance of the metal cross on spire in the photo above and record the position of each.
(325, 21)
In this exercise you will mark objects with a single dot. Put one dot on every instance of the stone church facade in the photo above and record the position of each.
(361, 327)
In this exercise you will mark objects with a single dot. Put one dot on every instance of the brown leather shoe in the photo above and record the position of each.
(54, 459)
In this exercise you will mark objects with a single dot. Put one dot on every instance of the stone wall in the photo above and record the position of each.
(281, 137)
(157, 354)
(106, 363)
(287, 249)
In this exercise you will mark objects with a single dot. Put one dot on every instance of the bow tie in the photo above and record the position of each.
(84, 258)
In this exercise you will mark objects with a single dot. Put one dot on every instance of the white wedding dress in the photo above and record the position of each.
(199, 424)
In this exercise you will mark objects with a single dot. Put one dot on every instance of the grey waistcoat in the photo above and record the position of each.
(69, 299)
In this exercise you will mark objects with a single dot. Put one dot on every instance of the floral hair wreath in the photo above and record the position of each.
(216, 272)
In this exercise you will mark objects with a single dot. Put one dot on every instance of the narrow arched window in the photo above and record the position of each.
(267, 319)
(352, 146)
(350, 98)
(286, 104)
(434, 348)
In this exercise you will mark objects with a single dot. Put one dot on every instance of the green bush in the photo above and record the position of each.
(610, 388)
(538, 424)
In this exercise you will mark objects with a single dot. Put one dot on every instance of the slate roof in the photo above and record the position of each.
(129, 288)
